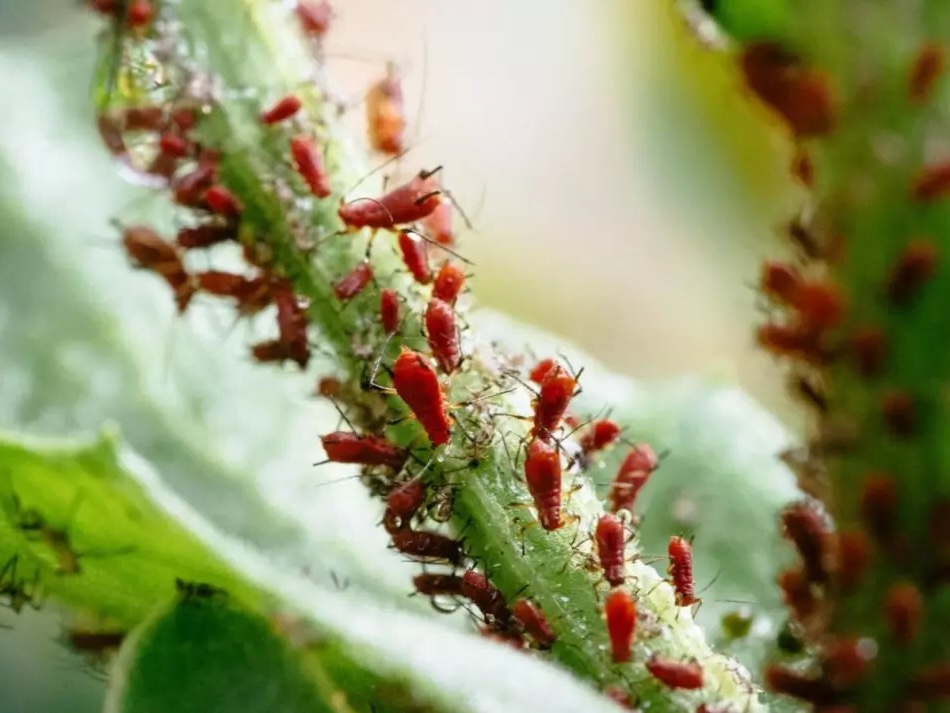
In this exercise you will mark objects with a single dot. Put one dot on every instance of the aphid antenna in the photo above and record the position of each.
(341, 585)
(440, 246)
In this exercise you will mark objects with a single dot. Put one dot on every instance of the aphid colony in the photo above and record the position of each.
(419, 214)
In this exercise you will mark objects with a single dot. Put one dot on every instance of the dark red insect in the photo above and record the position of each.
(95, 642)
(292, 324)
(868, 350)
(780, 281)
(252, 294)
(205, 236)
(412, 201)
(799, 685)
(308, 160)
(805, 527)
(438, 225)
(533, 623)
(611, 541)
(363, 449)
(683, 675)
(149, 251)
(797, 593)
(434, 584)
(190, 189)
(899, 413)
(426, 545)
(916, 264)
(385, 113)
(791, 340)
(449, 281)
(802, 168)
(416, 383)
(144, 118)
(620, 610)
(402, 503)
(314, 16)
(140, 13)
(599, 435)
(353, 282)
(174, 145)
(878, 505)
(486, 597)
(680, 569)
(329, 387)
(928, 66)
(931, 183)
(633, 474)
(853, 554)
(389, 310)
(557, 390)
(270, 351)
(541, 369)
(442, 335)
(282, 110)
(542, 472)
(415, 255)
(820, 305)
(845, 659)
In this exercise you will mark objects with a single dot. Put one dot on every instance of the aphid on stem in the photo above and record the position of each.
(611, 539)
(385, 113)
(928, 67)
(415, 255)
(542, 471)
(442, 334)
(486, 597)
(353, 282)
(389, 310)
(402, 504)
(283, 109)
(362, 449)
(426, 545)
(308, 161)
(620, 611)
(449, 281)
(405, 204)
(683, 675)
(680, 569)
(532, 622)
(633, 474)
(416, 383)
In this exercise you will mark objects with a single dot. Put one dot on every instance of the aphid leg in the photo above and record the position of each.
(440, 246)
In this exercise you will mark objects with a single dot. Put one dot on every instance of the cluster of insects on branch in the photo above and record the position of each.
(415, 476)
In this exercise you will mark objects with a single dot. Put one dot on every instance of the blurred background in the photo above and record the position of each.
(622, 196)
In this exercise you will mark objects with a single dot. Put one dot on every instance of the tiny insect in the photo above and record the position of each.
(389, 310)
(683, 675)
(853, 555)
(434, 584)
(541, 369)
(329, 387)
(486, 597)
(416, 383)
(448, 284)
(415, 255)
(140, 13)
(173, 145)
(931, 183)
(353, 282)
(780, 281)
(878, 505)
(819, 304)
(633, 474)
(533, 623)
(314, 17)
(797, 593)
(252, 294)
(148, 251)
(292, 325)
(442, 335)
(385, 113)
(427, 545)
(402, 504)
(542, 470)
(363, 449)
(680, 569)
(806, 529)
(868, 350)
(599, 435)
(620, 610)
(845, 659)
(928, 67)
(611, 540)
(197, 590)
(899, 413)
(799, 685)
(438, 225)
(557, 389)
(206, 235)
(308, 160)
(915, 266)
(189, 189)
(412, 201)
(282, 110)
(791, 340)
(271, 351)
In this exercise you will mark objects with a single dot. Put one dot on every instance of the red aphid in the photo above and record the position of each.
(140, 13)
(780, 281)
(434, 584)
(389, 310)
(903, 609)
(292, 325)
(805, 527)
(282, 110)
(542, 472)
(684, 675)
(174, 145)
(308, 160)
(853, 555)
(611, 541)
(402, 503)
(314, 16)
(792, 340)
(222, 202)
(415, 255)
(819, 304)
(270, 351)
(486, 597)
(329, 387)
(385, 113)
(449, 281)
(416, 383)
(205, 236)
(916, 264)
(411, 201)
(928, 66)
(800, 685)
(353, 282)
(532, 622)
(144, 118)
(931, 183)
(541, 369)
(148, 250)
(442, 335)
(633, 474)
(680, 569)
(190, 189)
(797, 593)
(620, 610)
(878, 505)
(601, 434)
(620, 696)
(556, 392)
(438, 225)
(184, 116)
(363, 449)
(426, 545)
